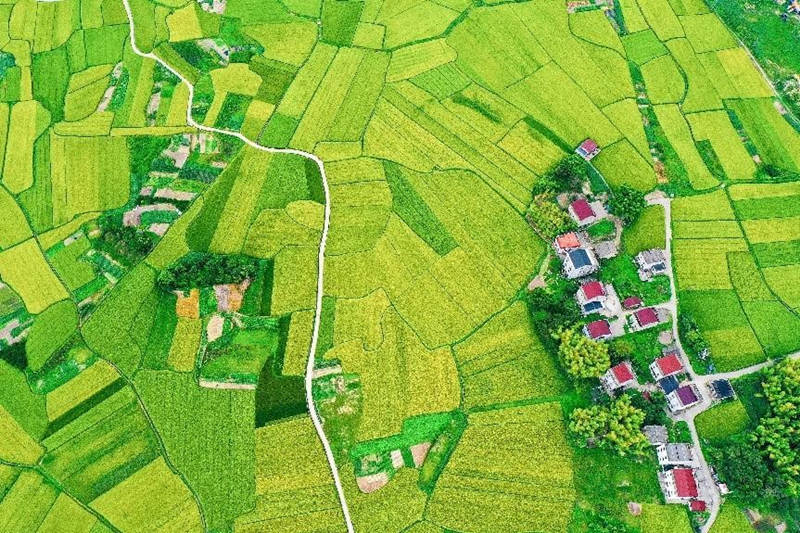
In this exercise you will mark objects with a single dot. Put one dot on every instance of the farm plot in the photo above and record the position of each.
(512, 470)
(294, 490)
(17, 446)
(25, 270)
(647, 232)
(25, 506)
(420, 381)
(723, 421)
(621, 164)
(680, 137)
(72, 444)
(82, 387)
(153, 498)
(716, 127)
(664, 82)
(773, 136)
(503, 361)
(208, 436)
(87, 174)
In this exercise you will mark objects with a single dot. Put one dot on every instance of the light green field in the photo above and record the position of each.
(303, 501)
(665, 84)
(620, 164)
(503, 361)
(185, 343)
(79, 388)
(722, 421)
(25, 269)
(17, 446)
(647, 232)
(152, 498)
(494, 478)
(716, 127)
(680, 137)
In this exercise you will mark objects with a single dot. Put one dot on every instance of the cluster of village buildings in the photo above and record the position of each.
(622, 314)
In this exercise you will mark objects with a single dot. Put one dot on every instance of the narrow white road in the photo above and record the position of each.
(321, 258)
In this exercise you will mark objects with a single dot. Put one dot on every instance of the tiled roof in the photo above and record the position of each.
(631, 301)
(669, 364)
(589, 146)
(646, 316)
(687, 395)
(622, 372)
(685, 483)
(598, 328)
(593, 289)
(568, 240)
(582, 209)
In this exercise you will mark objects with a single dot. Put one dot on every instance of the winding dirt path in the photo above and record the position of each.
(321, 258)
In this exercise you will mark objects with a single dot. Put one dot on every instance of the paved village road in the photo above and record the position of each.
(321, 258)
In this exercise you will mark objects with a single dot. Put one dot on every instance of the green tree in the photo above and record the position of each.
(616, 427)
(627, 203)
(581, 356)
(778, 432)
(746, 472)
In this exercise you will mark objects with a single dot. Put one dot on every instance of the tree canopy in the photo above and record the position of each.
(627, 203)
(778, 432)
(616, 427)
(199, 269)
(581, 356)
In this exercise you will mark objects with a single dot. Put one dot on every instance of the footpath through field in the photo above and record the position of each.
(321, 258)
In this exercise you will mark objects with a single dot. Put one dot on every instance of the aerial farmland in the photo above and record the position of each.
(420, 266)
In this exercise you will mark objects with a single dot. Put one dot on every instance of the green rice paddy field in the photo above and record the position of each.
(129, 406)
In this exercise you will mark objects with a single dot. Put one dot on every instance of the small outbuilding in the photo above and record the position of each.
(721, 390)
(588, 149)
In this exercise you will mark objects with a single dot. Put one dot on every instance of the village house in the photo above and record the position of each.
(679, 485)
(651, 263)
(668, 384)
(597, 330)
(683, 397)
(580, 262)
(582, 212)
(597, 297)
(566, 242)
(668, 365)
(646, 318)
(632, 302)
(619, 376)
(793, 7)
(676, 454)
(588, 149)
(721, 390)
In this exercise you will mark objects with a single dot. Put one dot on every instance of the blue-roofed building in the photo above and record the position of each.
(580, 262)
(668, 384)
(721, 390)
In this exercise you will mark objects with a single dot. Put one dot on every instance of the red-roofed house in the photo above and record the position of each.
(597, 330)
(669, 365)
(632, 302)
(644, 318)
(678, 485)
(566, 242)
(618, 376)
(596, 297)
(581, 212)
(588, 149)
